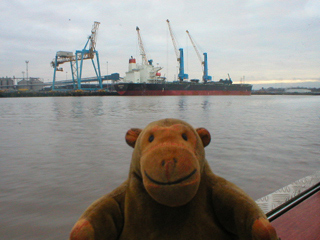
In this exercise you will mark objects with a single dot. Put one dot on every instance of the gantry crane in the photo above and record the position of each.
(180, 57)
(204, 62)
(76, 60)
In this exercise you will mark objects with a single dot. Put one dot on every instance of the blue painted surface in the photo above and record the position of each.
(181, 74)
(205, 69)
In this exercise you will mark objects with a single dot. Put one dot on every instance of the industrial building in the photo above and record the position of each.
(33, 84)
(6, 83)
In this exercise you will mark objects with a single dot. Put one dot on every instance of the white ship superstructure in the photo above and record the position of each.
(142, 73)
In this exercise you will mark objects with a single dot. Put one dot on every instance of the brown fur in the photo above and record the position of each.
(171, 193)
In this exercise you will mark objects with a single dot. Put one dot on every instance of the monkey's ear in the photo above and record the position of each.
(132, 136)
(204, 135)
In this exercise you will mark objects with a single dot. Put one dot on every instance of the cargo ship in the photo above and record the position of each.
(146, 80)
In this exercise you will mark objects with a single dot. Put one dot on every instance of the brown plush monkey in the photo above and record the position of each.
(171, 193)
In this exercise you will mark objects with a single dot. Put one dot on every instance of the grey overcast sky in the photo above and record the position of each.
(269, 42)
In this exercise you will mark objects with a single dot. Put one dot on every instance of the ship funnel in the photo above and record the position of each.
(132, 63)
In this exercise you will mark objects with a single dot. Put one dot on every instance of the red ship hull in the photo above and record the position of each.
(177, 89)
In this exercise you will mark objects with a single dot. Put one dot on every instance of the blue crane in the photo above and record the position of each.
(179, 54)
(204, 63)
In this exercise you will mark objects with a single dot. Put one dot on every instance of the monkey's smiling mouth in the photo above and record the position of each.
(170, 183)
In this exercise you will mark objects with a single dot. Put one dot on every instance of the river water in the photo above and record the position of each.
(58, 155)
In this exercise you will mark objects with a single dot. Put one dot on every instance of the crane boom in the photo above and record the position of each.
(173, 41)
(195, 48)
(204, 62)
(179, 54)
(142, 51)
(93, 36)
(89, 54)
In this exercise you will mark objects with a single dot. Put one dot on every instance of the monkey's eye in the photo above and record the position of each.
(151, 138)
(184, 136)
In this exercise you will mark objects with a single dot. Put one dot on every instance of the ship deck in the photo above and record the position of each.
(301, 222)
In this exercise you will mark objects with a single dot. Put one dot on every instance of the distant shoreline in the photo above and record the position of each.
(14, 94)
(76, 93)
(284, 93)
